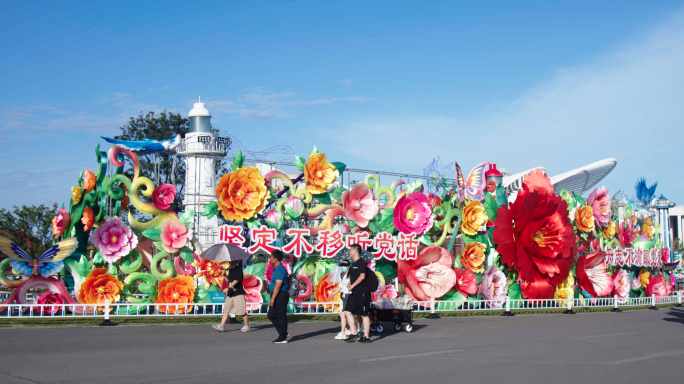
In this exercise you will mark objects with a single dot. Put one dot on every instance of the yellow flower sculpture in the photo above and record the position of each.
(564, 291)
(584, 218)
(473, 257)
(644, 277)
(76, 194)
(610, 230)
(474, 216)
(242, 194)
(647, 228)
(98, 287)
(319, 173)
(176, 290)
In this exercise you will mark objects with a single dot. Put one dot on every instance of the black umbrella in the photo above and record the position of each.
(224, 252)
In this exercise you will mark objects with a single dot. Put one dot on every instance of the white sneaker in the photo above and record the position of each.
(347, 332)
(341, 336)
(245, 328)
(217, 327)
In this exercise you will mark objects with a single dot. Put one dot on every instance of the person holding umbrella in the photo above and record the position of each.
(235, 292)
(235, 297)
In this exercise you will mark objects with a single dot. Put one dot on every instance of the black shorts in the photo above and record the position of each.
(358, 304)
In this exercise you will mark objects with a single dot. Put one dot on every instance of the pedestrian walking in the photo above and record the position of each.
(360, 298)
(235, 297)
(277, 307)
(341, 278)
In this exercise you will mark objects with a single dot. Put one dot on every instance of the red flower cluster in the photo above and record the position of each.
(535, 237)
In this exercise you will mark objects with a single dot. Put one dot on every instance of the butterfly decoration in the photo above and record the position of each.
(436, 175)
(473, 187)
(667, 267)
(48, 263)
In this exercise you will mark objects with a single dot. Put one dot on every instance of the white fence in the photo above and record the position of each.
(37, 311)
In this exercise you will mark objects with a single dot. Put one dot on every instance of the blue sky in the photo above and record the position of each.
(377, 85)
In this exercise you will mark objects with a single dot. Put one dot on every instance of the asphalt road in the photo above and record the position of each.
(637, 346)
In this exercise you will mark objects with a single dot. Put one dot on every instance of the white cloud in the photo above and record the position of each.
(347, 82)
(262, 103)
(626, 104)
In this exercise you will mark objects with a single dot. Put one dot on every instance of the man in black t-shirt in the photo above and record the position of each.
(360, 299)
(235, 297)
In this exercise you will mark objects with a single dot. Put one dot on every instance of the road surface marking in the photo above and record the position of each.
(409, 355)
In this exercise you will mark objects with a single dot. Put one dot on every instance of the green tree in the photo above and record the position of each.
(162, 168)
(30, 227)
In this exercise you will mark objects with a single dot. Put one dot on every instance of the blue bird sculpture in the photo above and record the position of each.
(147, 145)
(644, 193)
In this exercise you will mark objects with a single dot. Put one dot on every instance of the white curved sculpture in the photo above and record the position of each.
(583, 179)
(578, 180)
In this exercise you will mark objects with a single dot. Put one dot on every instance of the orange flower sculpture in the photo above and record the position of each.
(242, 194)
(473, 257)
(89, 181)
(88, 219)
(536, 238)
(210, 270)
(323, 289)
(98, 287)
(474, 216)
(176, 290)
(319, 173)
(584, 218)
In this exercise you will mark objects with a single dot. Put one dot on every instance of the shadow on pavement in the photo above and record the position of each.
(304, 336)
(678, 316)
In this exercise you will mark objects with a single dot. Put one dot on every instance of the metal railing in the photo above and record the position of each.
(36, 311)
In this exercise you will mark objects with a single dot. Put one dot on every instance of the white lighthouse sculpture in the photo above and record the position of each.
(201, 149)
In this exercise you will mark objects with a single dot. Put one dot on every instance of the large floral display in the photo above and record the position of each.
(430, 239)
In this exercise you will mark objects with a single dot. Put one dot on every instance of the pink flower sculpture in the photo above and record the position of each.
(665, 255)
(636, 283)
(274, 219)
(658, 286)
(49, 297)
(387, 291)
(592, 276)
(114, 239)
(599, 201)
(621, 284)
(60, 222)
(359, 204)
(494, 287)
(412, 214)
(163, 196)
(174, 235)
(268, 272)
(252, 286)
(294, 207)
(466, 282)
(429, 275)
(626, 234)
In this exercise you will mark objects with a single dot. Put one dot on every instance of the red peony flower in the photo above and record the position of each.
(535, 237)
(163, 196)
(466, 282)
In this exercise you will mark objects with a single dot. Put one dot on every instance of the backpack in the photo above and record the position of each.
(372, 280)
(292, 286)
